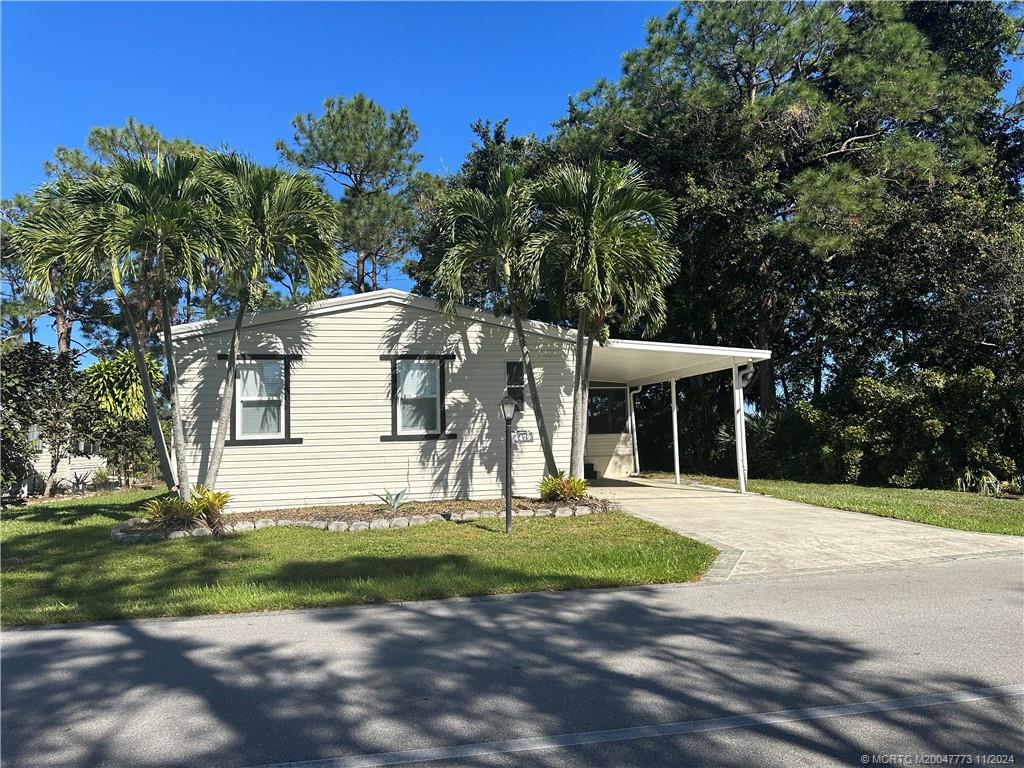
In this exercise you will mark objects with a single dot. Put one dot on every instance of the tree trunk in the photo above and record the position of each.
(52, 477)
(152, 415)
(360, 281)
(550, 466)
(177, 430)
(228, 399)
(585, 398)
(61, 325)
(576, 454)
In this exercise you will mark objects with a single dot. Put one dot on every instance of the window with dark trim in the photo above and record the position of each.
(606, 412)
(261, 411)
(417, 397)
(515, 383)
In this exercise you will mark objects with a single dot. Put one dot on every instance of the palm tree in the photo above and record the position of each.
(73, 228)
(165, 209)
(279, 218)
(605, 243)
(493, 233)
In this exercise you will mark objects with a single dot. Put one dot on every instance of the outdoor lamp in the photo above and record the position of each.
(508, 410)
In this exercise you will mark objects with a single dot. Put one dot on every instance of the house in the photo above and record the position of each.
(81, 465)
(339, 400)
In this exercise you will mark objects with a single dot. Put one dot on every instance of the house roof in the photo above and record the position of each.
(620, 361)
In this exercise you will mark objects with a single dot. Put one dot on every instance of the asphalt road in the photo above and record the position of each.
(805, 670)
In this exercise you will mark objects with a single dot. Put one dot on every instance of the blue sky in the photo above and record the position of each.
(236, 73)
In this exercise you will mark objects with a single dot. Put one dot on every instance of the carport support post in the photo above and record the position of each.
(740, 428)
(632, 427)
(675, 429)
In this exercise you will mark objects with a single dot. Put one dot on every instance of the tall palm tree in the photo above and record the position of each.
(605, 241)
(167, 209)
(493, 233)
(73, 227)
(279, 217)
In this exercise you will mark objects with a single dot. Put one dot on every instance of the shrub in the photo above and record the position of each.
(210, 507)
(171, 512)
(562, 487)
(100, 478)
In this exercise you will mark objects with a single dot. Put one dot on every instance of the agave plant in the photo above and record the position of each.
(393, 500)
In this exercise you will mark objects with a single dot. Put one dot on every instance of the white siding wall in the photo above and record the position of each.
(611, 455)
(66, 469)
(340, 407)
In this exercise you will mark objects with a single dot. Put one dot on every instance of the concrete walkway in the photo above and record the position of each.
(760, 536)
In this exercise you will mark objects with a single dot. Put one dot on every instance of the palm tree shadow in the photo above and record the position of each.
(328, 683)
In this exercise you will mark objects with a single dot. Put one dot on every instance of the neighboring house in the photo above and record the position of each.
(338, 400)
(82, 463)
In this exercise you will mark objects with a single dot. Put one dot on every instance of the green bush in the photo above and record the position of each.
(172, 513)
(210, 505)
(562, 487)
(920, 430)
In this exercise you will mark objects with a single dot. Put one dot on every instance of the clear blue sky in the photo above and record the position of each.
(236, 73)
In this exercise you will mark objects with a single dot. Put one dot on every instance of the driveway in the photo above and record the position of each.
(760, 536)
(808, 670)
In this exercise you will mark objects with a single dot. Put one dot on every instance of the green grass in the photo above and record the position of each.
(947, 509)
(60, 565)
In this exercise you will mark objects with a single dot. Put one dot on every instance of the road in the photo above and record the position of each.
(798, 670)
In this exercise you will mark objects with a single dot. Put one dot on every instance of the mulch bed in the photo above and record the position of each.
(355, 512)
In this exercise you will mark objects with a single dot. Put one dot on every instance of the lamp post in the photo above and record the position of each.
(508, 410)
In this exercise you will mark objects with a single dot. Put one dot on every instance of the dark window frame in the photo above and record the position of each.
(625, 396)
(443, 433)
(286, 406)
(520, 398)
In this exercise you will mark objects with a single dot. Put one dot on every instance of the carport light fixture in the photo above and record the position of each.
(508, 410)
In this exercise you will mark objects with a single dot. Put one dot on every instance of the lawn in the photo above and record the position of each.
(947, 509)
(59, 563)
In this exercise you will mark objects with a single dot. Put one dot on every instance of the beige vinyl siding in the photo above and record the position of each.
(340, 407)
(611, 455)
(66, 468)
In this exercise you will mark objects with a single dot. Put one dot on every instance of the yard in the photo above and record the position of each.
(947, 509)
(60, 565)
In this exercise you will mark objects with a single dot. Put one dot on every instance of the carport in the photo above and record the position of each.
(638, 364)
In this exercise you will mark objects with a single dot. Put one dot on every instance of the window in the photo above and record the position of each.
(606, 412)
(515, 385)
(262, 400)
(417, 397)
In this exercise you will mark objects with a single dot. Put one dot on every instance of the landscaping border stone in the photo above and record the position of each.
(134, 531)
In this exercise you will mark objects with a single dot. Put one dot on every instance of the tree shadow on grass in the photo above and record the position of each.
(69, 512)
(250, 690)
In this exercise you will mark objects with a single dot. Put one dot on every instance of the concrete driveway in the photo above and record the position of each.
(760, 536)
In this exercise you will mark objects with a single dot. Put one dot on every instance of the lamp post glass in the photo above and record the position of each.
(508, 410)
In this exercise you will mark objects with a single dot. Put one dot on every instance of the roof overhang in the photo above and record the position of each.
(639, 363)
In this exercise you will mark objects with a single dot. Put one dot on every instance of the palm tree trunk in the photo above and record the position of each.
(61, 325)
(177, 430)
(228, 399)
(152, 415)
(550, 467)
(576, 450)
(585, 397)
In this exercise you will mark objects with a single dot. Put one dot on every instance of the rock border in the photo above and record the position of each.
(126, 532)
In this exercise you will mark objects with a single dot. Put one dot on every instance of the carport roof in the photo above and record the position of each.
(650, 362)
